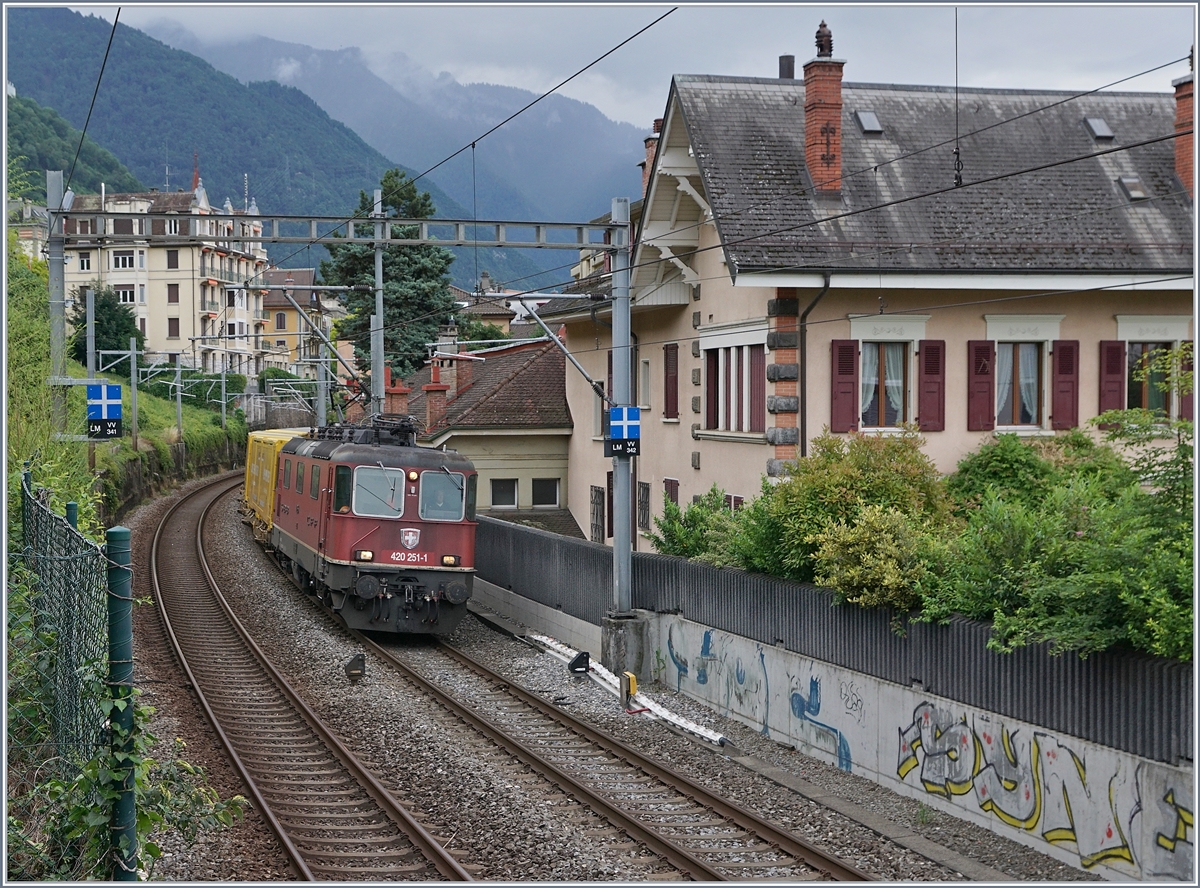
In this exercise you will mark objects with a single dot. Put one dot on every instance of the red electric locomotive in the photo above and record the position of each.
(380, 530)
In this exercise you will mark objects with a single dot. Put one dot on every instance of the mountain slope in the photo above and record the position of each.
(562, 159)
(47, 142)
(158, 105)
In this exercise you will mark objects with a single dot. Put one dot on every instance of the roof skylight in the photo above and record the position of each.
(1133, 187)
(868, 121)
(1098, 127)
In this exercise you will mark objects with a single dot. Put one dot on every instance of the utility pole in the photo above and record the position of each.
(91, 361)
(58, 305)
(133, 383)
(623, 395)
(377, 321)
(179, 400)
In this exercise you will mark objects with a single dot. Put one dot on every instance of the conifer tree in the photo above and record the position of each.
(416, 285)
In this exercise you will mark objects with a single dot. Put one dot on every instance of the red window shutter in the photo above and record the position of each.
(844, 394)
(183, 227)
(609, 390)
(1112, 375)
(122, 226)
(981, 385)
(671, 485)
(711, 388)
(931, 391)
(158, 226)
(1187, 403)
(609, 510)
(671, 380)
(1064, 398)
(69, 226)
(758, 389)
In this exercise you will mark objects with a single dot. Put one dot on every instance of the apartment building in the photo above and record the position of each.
(187, 289)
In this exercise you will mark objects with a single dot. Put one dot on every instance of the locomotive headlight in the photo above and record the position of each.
(364, 555)
(451, 560)
(412, 476)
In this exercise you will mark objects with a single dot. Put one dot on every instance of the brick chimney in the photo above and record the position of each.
(464, 375)
(435, 397)
(395, 394)
(823, 116)
(647, 165)
(1183, 123)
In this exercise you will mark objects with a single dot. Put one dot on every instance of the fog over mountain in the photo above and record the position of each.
(561, 160)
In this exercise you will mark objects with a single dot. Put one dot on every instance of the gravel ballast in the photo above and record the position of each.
(512, 825)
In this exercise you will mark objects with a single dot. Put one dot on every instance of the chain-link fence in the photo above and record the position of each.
(57, 650)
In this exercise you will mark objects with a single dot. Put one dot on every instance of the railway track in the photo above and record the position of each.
(335, 820)
(704, 836)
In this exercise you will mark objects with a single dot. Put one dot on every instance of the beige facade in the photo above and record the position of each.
(513, 463)
(188, 295)
(970, 345)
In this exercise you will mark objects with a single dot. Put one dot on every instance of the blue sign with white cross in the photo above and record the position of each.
(104, 411)
(104, 401)
(625, 423)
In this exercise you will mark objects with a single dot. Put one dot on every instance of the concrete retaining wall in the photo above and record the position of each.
(1105, 811)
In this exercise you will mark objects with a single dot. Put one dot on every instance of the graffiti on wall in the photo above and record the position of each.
(816, 734)
(1035, 783)
(731, 684)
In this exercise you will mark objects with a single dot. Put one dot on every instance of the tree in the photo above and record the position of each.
(416, 291)
(115, 325)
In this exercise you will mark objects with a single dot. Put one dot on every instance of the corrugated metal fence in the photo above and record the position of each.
(1137, 704)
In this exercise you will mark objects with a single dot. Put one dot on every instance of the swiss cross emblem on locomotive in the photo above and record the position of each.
(410, 536)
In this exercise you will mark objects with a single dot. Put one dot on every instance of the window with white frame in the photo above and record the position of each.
(122, 259)
(886, 349)
(1148, 392)
(172, 226)
(1018, 383)
(884, 395)
(124, 293)
(85, 260)
(504, 493)
(1021, 343)
(735, 388)
(545, 493)
(141, 258)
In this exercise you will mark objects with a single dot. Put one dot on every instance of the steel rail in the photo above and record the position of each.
(441, 860)
(677, 856)
(786, 841)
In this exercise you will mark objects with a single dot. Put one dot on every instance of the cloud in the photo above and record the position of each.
(535, 47)
(286, 70)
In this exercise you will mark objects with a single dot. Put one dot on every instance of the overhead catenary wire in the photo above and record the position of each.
(355, 217)
(729, 214)
(91, 107)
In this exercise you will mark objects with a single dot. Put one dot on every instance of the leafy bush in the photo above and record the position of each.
(693, 532)
(840, 478)
(1008, 466)
(878, 561)
(1081, 569)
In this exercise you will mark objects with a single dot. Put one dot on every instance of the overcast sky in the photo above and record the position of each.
(1075, 47)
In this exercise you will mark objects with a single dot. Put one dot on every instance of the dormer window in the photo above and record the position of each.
(868, 122)
(1133, 187)
(1099, 129)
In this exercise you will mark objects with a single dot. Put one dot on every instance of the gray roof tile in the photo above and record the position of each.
(748, 137)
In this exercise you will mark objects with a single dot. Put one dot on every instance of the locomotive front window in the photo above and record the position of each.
(341, 489)
(314, 489)
(442, 494)
(379, 492)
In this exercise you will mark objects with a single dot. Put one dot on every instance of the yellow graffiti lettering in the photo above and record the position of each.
(1184, 820)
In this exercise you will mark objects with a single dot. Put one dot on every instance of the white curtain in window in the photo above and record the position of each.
(1004, 359)
(1028, 372)
(870, 381)
(893, 381)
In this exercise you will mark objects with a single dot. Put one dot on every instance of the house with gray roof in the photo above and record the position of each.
(814, 254)
(504, 408)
